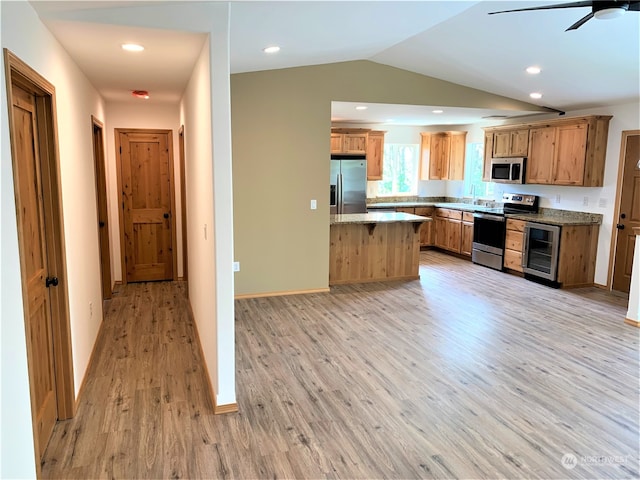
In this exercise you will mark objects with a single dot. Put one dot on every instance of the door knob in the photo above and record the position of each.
(51, 281)
(620, 226)
(166, 215)
(623, 216)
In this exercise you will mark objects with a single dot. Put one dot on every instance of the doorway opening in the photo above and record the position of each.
(101, 205)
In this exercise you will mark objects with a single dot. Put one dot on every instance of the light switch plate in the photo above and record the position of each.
(314, 204)
(236, 266)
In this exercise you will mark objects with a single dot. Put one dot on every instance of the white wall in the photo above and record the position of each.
(209, 213)
(150, 115)
(77, 100)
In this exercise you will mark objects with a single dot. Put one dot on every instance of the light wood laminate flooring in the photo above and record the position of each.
(466, 373)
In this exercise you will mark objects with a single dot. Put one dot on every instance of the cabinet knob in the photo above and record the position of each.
(620, 226)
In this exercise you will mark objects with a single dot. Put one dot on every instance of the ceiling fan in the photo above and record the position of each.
(599, 9)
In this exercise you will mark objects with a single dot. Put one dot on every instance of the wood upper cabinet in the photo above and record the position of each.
(375, 155)
(361, 141)
(442, 155)
(510, 143)
(569, 151)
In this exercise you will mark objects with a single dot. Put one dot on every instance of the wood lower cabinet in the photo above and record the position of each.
(577, 255)
(466, 244)
(442, 155)
(513, 245)
(448, 225)
(427, 228)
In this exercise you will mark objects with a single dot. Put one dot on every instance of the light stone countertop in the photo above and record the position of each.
(376, 217)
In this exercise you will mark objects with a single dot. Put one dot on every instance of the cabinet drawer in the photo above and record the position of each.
(448, 213)
(517, 225)
(467, 217)
(424, 211)
(513, 240)
(513, 260)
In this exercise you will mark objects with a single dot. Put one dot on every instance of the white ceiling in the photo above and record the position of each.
(457, 41)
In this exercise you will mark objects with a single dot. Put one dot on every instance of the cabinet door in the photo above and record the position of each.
(519, 143)
(427, 229)
(454, 235)
(355, 143)
(440, 225)
(336, 142)
(541, 155)
(513, 260)
(467, 238)
(488, 151)
(375, 149)
(425, 155)
(570, 154)
(436, 167)
(501, 144)
(457, 155)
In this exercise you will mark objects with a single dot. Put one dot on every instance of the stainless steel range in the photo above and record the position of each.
(489, 228)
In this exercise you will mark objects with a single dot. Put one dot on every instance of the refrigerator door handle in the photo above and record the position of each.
(339, 196)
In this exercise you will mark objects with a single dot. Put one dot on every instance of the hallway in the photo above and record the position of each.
(436, 378)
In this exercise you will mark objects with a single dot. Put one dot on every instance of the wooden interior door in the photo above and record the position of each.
(629, 216)
(101, 194)
(30, 209)
(147, 201)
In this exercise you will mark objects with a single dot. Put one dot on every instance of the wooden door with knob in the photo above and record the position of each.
(629, 213)
(147, 188)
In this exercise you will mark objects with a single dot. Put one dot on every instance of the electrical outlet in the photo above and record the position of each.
(236, 266)
(314, 204)
(558, 198)
(585, 201)
(602, 203)
(90, 309)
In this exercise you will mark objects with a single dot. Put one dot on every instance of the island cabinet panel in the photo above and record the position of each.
(366, 253)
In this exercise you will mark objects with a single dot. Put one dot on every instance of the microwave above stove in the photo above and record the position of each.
(508, 170)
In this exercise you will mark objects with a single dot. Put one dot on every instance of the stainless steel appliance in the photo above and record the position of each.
(348, 184)
(540, 250)
(489, 228)
(508, 170)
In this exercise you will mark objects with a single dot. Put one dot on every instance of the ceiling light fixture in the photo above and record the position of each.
(140, 94)
(533, 70)
(438, 111)
(535, 95)
(272, 49)
(609, 13)
(132, 47)
(361, 107)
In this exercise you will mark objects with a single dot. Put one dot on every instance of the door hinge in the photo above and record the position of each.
(120, 150)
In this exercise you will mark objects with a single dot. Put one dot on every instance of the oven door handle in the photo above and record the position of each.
(488, 216)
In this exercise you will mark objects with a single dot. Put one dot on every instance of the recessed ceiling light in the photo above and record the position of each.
(272, 49)
(361, 107)
(535, 95)
(132, 47)
(140, 94)
(438, 111)
(533, 70)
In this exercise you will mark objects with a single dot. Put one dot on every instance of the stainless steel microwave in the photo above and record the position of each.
(508, 170)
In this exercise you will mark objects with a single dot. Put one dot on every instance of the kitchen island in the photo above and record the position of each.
(370, 247)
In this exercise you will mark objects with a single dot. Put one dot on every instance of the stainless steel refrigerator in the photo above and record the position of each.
(348, 184)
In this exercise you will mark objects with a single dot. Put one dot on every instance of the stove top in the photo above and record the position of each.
(519, 203)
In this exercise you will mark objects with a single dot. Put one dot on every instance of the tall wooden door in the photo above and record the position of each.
(35, 265)
(629, 216)
(146, 164)
(101, 197)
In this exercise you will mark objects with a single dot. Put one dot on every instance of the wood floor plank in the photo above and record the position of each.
(465, 373)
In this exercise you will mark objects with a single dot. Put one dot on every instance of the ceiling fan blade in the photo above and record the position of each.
(549, 7)
(580, 22)
(634, 7)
